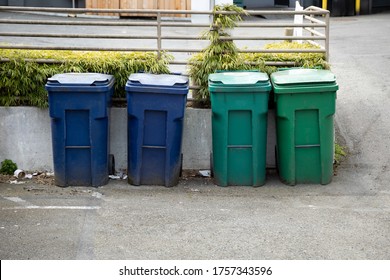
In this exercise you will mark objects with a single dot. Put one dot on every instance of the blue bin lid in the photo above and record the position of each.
(80, 79)
(239, 78)
(165, 80)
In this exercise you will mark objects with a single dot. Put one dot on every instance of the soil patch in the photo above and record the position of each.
(42, 178)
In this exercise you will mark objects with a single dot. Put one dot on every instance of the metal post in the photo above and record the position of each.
(357, 7)
(73, 4)
(327, 28)
(312, 34)
(212, 5)
(159, 34)
(325, 4)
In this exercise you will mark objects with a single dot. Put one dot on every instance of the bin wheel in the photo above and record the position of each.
(211, 165)
(111, 164)
(181, 165)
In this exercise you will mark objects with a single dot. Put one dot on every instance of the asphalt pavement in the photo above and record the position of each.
(347, 219)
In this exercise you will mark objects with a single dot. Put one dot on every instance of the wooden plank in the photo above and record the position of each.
(180, 5)
(89, 4)
(142, 4)
(102, 4)
(138, 5)
(154, 4)
(177, 5)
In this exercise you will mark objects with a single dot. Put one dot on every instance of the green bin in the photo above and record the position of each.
(239, 105)
(305, 106)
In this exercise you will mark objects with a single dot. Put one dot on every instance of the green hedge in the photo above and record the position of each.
(23, 82)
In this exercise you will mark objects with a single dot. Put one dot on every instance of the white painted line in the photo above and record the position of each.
(15, 199)
(52, 207)
(19, 201)
(70, 207)
(26, 205)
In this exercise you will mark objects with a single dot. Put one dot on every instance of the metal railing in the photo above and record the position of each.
(159, 31)
(158, 34)
(315, 27)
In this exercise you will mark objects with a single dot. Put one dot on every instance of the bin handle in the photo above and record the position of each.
(221, 71)
(292, 68)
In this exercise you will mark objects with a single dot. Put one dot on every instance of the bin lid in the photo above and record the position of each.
(303, 76)
(239, 78)
(158, 80)
(81, 79)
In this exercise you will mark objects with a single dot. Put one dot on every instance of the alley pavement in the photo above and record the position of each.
(347, 219)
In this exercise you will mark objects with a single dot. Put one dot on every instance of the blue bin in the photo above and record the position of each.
(155, 105)
(79, 111)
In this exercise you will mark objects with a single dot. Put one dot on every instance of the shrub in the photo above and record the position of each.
(223, 55)
(8, 167)
(23, 81)
(202, 64)
(305, 60)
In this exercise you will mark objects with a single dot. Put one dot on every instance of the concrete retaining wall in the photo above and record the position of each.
(25, 138)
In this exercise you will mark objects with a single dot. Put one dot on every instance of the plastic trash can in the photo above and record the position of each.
(79, 110)
(305, 106)
(155, 105)
(239, 104)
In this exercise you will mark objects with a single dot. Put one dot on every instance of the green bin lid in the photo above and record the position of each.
(239, 78)
(302, 76)
(303, 81)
